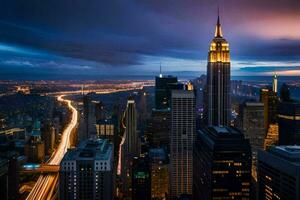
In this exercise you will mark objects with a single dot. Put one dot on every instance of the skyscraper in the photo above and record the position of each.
(222, 164)
(289, 123)
(141, 179)
(131, 143)
(87, 171)
(218, 81)
(159, 173)
(252, 124)
(130, 146)
(183, 125)
(279, 173)
(163, 87)
(270, 100)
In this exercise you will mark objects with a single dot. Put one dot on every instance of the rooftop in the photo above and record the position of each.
(97, 149)
(290, 153)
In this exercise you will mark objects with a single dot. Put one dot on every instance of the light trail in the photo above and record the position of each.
(45, 183)
(43, 188)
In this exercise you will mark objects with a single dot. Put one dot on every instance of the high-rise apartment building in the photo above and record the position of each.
(222, 164)
(217, 106)
(183, 125)
(87, 171)
(279, 173)
(289, 123)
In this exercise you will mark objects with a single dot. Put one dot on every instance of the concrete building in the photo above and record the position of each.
(87, 171)
(279, 173)
(183, 128)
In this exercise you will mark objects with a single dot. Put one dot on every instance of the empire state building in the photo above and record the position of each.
(218, 81)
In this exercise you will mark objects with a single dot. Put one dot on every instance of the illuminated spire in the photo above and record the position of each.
(275, 83)
(160, 74)
(218, 32)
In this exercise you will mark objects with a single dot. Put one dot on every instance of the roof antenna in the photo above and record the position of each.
(160, 74)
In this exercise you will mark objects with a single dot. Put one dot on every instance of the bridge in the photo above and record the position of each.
(43, 168)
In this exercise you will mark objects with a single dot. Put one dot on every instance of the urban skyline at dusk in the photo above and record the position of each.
(150, 100)
(106, 38)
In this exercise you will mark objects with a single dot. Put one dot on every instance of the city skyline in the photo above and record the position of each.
(43, 39)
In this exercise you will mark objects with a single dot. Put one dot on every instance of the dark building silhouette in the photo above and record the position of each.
(218, 110)
(161, 126)
(289, 123)
(222, 164)
(163, 88)
(141, 179)
(270, 100)
(285, 93)
(4, 178)
(279, 173)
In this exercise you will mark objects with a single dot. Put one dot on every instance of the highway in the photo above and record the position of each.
(45, 184)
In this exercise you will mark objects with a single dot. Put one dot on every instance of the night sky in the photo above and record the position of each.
(131, 37)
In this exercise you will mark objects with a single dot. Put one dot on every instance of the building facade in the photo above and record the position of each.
(279, 173)
(159, 165)
(183, 125)
(87, 171)
(163, 85)
(141, 179)
(289, 123)
(252, 125)
(222, 164)
(218, 110)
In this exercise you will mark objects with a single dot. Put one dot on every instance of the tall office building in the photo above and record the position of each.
(289, 123)
(159, 165)
(218, 81)
(89, 118)
(130, 146)
(279, 173)
(161, 126)
(163, 87)
(222, 164)
(252, 124)
(87, 171)
(183, 125)
(131, 143)
(270, 100)
(141, 179)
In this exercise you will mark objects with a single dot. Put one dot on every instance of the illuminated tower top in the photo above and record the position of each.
(219, 47)
(275, 83)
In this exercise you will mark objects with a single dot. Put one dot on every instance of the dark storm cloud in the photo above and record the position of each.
(120, 32)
